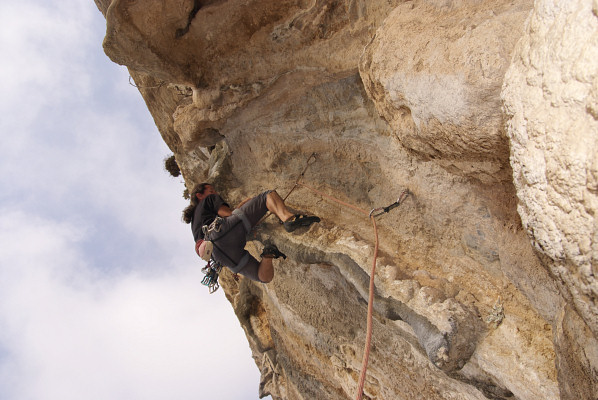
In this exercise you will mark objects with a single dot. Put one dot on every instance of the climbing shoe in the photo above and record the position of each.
(298, 221)
(271, 251)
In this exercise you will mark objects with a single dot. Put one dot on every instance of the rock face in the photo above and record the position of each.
(485, 110)
(435, 74)
(551, 100)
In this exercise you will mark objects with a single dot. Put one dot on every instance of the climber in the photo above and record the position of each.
(211, 218)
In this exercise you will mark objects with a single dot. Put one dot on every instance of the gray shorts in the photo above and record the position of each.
(230, 241)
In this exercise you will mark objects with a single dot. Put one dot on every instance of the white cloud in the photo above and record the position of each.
(39, 41)
(100, 294)
(72, 334)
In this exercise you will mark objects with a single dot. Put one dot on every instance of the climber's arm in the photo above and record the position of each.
(225, 211)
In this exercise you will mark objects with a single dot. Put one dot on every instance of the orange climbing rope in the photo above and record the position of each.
(372, 215)
(361, 210)
(368, 336)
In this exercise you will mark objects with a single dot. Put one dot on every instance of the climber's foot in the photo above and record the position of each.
(271, 251)
(299, 220)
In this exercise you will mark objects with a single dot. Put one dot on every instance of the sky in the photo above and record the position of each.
(100, 293)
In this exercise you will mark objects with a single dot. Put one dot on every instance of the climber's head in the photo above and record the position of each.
(198, 193)
(202, 190)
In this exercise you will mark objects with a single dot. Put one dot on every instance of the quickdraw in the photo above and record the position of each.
(372, 216)
(376, 212)
(212, 271)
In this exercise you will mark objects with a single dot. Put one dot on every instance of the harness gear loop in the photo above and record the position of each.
(212, 270)
(213, 227)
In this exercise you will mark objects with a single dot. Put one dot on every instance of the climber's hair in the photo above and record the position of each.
(189, 211)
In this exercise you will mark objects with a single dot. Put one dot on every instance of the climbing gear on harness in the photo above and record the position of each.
(298, 221)
(212, 271)
(213, 268)
(271, 251)
(209, 242)
(204, 249)
(213, 227)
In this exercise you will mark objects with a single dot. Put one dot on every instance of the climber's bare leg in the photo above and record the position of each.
(276, 205)
(266, 270)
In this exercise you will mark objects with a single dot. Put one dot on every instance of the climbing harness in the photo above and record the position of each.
(204, 249)
(213, 227)
(212, 271)
(213, 268)
(372, 216)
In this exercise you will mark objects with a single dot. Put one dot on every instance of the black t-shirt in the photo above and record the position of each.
(205, 213)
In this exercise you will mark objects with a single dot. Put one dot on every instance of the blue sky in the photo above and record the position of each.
(100, 294)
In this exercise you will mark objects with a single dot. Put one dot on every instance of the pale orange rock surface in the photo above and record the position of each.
(485, 110)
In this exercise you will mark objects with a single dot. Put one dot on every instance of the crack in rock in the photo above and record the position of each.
(182, 31)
